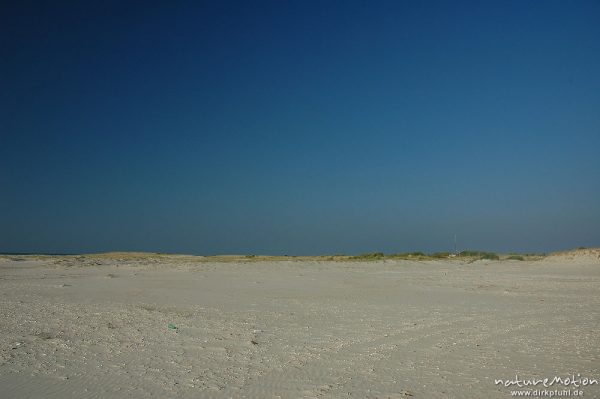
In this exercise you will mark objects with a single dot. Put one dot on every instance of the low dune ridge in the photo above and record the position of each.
(578, 255)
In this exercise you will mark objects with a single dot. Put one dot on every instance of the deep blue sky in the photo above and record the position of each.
(299, 127)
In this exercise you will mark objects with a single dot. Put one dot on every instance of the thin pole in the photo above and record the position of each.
(455, 252)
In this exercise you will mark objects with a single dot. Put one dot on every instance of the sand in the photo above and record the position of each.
(98, 326)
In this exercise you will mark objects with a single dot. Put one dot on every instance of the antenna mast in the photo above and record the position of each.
(455, 251)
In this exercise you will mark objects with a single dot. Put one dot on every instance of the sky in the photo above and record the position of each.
(299, 128)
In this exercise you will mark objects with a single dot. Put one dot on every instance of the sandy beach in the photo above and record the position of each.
(138, 326)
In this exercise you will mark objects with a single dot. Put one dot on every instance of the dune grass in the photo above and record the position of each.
(369, 256)
(417, 255)
(479, 255)
(139, 257)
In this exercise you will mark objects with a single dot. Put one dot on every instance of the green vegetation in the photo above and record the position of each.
(468, 255)
(479, 255)
(409, 255)
(415, 255)
(369, 256)
(440, 255)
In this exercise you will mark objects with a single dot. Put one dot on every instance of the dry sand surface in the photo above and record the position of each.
(98, 326)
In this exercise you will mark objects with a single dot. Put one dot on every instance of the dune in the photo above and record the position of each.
(583, 255)
(140, 325)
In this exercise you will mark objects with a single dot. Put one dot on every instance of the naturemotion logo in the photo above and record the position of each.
(536, 387)
(570, 381)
